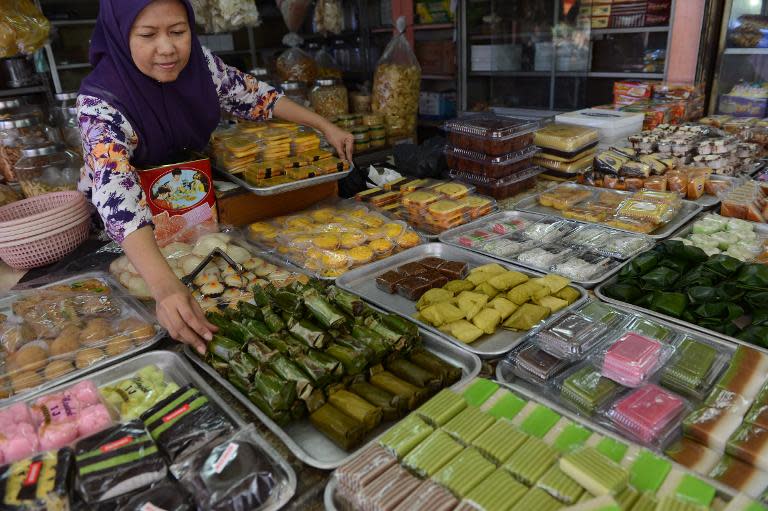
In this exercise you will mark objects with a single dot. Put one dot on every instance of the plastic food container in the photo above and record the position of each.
(501, 188)
(491, 134)
(329, 98)
(613, 125)
(495, 167)
(296, 92)
(566, 140)
(15, 134)
(565, 169)
(47, 168)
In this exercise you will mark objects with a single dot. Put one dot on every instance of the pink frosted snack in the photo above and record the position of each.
(18, 441)
(14, 414)
(647, 413)
(93, 419)
(85, 392)
(55, 408)
(57, 435)
(631, 359)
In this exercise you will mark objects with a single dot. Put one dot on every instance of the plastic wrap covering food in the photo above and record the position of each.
(294, 12)
(329, 17)
(38, 483)
(296, 64)
(23, 28)
(492, 135)
(565, 139)
(330, 239)
(53, 421)
(220, 282)
(494, 167)
(396, 85)
(715, 234)
(50, 332)
(747, 202)
(225, 15)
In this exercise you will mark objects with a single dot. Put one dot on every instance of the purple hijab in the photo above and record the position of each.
(168, 117)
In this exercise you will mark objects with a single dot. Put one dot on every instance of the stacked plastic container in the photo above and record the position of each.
(567, 150)
(493, 153)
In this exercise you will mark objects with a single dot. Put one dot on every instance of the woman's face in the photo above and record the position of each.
(161, 40)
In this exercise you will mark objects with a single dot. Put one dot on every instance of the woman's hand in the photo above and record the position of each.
(180, 314)
(341, 140)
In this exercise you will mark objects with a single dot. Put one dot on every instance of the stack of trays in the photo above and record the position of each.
(567, 150)
(493, 153)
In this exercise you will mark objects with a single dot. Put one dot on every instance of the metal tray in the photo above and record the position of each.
(688, 211)
(311, 446)
(181, 372)
(448, 238)
(286, 187)
(119, 293)
(679, 322)
(362, 282)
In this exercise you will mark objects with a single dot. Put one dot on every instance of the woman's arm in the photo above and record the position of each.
(113, 186)
(340, 139)
(176, 309)
(243, 95)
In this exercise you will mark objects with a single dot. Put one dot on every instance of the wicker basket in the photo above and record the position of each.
(28, 211)
(68, 218)
(45, 248)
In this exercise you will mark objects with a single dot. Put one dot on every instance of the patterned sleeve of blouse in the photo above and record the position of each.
(241, 94)
(107, 178)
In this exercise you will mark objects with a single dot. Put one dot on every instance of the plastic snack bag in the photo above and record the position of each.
(294, 64)
(294, 12)
(329, 17)
(396, 85)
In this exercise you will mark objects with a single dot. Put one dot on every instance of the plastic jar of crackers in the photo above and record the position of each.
(329, 98)
(296, 92)
(47, 168)
(15, 134)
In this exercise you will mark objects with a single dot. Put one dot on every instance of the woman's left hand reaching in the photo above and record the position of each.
(341, 140)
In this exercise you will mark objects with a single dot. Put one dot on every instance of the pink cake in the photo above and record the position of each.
(631, 359)
(647, 413)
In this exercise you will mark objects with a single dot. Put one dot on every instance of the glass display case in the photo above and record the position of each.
(559, 54)
(740, 85)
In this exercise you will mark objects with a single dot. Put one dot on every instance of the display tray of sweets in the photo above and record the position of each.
(137, 435)
(467, 298)
(702, 405)
(717, 295)
(67, 328)
(493, 167)
(328, 240)
(432, 208)
(490, 448)
(491, 134)
(747, 202)
(657, 214)
(715, 234)
(587, 254)
(291, 179)
(324, 371)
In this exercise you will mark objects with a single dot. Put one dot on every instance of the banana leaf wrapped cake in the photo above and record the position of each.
(314, 352)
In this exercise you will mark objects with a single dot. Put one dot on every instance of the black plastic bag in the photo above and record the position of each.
(425, 160)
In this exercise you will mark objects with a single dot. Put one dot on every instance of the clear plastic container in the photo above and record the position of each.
(491, 134)
(571, 336)
(501, 188)
(15, 134)
(296, 92)
(650, 414)
(329, 98)
(9, 107)
(47, 168)
(495, 167)
(565, 169)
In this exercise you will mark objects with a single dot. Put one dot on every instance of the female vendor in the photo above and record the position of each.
(154, 92)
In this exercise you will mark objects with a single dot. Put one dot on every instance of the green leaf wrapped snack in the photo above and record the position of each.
(356, 407)
(753, 276)
(702, 294)
(680, 251)
(723, 265)
(426, 360)
(392, 407)
(671, 304)
(277, 393)
(345, 431)
(353, 360)
(410, 394)
(660, 278)
(414, 374)
(624, 291)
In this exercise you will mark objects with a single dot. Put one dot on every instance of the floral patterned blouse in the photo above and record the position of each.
(109, 180)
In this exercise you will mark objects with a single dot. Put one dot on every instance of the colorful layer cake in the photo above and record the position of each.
(647, 413)
(689, 371)
(405, 435)
(432, 454)
(595, 472)
(632, 359)
(464, 472)
(586, 390)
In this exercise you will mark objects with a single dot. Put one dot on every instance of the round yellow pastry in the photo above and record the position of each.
(326, 241)
(333, 273)
(332, 227)
(372, 220)
(360, 255)
(136, 329)
(29, 358)
(88, 357)
(357, 212)
(323, 216)
(260, 227)
(381, 246)
(373, 233)
(393, 230)
(302, 242)
(96, 331)
(67, 341)
(352, 239)
(269, 236)
(408, 240)
(298, 222)
(335, 259)
(58, 368)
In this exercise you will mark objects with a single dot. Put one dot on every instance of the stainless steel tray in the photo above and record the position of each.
(119, 293)
(181, 372)
(362, 281)
(679, 322)
(688, 211)
(287, 187)
(449, 237)
(311, 446)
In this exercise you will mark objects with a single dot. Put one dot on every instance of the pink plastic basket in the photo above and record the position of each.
(45, 248)
(27, 211)
(73, 215)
